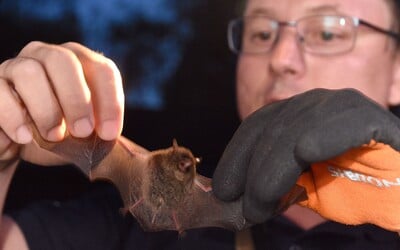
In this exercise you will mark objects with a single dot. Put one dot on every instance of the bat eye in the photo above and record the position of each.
(198, 160)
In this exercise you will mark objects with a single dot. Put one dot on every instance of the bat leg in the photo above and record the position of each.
(177, 225)
(156, 212)
(136, 204)
(153, 219)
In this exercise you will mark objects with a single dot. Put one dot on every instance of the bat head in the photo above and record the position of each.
(176, 162)
(182, 162)
(172, 174)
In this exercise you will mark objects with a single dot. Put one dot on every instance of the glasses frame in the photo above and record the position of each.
(357, 22)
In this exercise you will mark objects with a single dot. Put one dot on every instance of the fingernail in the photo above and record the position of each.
(23, 134)
(83, 128)
(109, 130)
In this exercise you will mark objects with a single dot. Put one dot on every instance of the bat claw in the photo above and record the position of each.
(177, 225)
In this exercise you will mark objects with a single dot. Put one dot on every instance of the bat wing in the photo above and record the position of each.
(200, 208)
(125, 164)
(84, 153)
(119, 161)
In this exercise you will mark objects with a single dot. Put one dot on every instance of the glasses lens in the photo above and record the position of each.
(327, 34)
(252, 34)
(235, 30)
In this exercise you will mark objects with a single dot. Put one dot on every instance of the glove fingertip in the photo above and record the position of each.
(257, 212)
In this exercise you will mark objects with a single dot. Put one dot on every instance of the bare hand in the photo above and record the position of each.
(58, 89)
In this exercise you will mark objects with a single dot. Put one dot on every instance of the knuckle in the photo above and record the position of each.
(32, 46)
(78, 48)
(58, 55)
(106, 70)
(70, 44)
(25, 67)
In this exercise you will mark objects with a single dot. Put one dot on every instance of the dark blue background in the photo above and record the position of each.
(149, 40)
(177, 70)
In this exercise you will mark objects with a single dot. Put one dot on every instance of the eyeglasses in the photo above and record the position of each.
(324, 35)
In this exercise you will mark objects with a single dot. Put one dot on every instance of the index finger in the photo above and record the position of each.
(105, 83)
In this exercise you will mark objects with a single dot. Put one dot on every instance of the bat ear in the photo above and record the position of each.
(185, 164)
(174, 143)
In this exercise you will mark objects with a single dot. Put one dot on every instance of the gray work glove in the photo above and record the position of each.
(277, 143)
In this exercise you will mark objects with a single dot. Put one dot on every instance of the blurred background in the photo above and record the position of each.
(177, 70)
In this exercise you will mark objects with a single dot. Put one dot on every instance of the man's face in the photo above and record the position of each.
(287, 70)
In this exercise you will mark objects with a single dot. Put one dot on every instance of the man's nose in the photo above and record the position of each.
(287, 55)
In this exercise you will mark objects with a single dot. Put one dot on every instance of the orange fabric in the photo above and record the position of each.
(360, 186)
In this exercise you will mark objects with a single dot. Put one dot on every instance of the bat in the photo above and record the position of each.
(160, 188)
